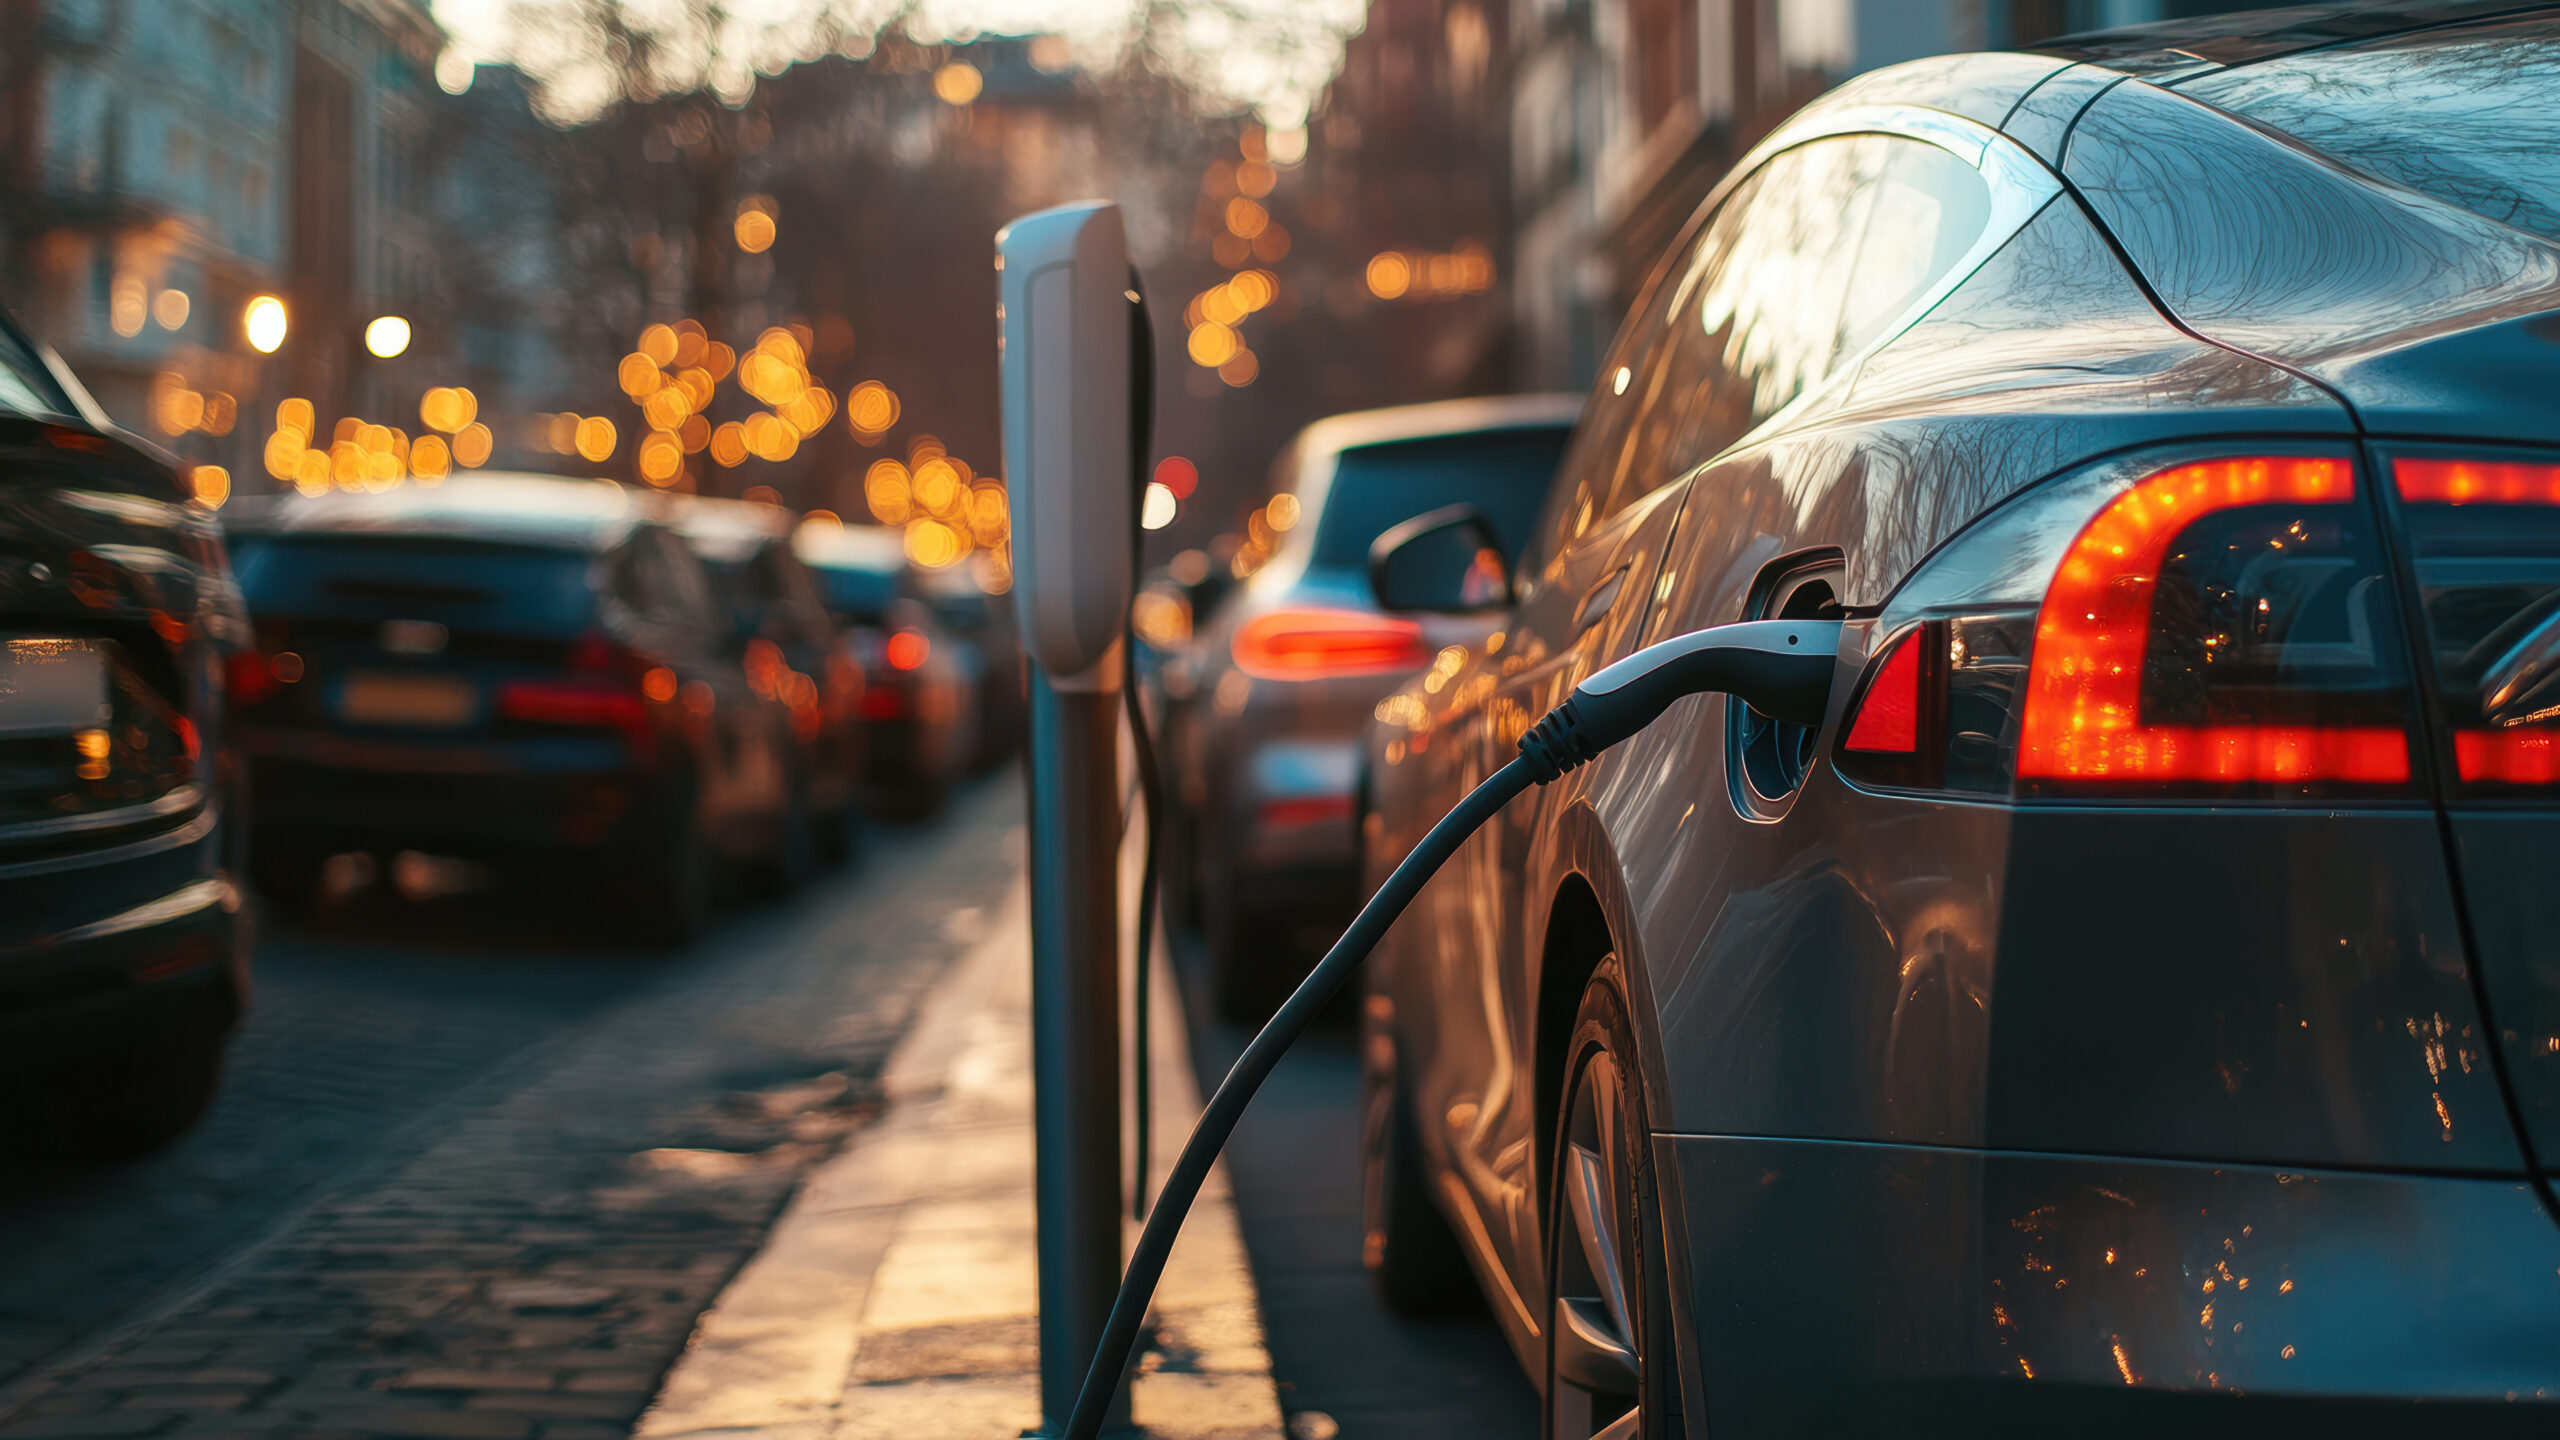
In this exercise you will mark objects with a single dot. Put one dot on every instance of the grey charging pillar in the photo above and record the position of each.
(1064, 317)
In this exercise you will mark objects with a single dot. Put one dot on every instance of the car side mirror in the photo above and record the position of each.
(1447, 561)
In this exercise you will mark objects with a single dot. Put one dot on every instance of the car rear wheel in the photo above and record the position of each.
(286, 875)
(125, 1106)
(1246, 981)
(795, 849)
(1609, 1346)
(1413, 1256)
(670, 904)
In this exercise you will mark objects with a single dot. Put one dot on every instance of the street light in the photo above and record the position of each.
(387, 336)
(264, 322)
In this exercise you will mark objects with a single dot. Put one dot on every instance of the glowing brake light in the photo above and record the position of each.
(2484, 536)
(908, 650)
(1311, 644)
(2222, 628)
(249, 677)
(2083, 718)
(582, 702)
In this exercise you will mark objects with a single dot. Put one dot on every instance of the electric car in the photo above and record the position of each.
(2135, 1009)
(919, 697)
(124, 957)
(1283, 676)
(786, 642)
(516, 668)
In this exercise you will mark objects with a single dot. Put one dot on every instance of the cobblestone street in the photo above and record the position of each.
(471, 1176)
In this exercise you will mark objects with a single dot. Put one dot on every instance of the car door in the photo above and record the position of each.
(1585, 588)
(1804, 263)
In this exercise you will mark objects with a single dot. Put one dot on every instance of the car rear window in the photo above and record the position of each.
(469, 585)
(861, 596)
(1504, 473)
(26, 387)
(2469, 115)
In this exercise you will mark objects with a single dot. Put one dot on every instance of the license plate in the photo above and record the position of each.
(418, 701)
(52, 687)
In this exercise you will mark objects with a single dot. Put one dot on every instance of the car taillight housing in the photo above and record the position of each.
(2218, 627)
(1302, 643)
(609, 686)
(2484, 540)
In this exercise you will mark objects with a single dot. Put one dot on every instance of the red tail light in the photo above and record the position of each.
(247, 677)
(1307, 644)
(597, 653)
(582, 703)
(1888, 715)
(2484, 536)
(2084, 712)
(908, 650)
(2218, 628)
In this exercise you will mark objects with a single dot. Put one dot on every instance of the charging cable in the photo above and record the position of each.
(1782, 668)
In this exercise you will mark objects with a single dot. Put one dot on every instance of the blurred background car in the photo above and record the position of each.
(919, 702)
(123, 956)
(519, 669)
(985, 622)
(789, 646)
(1284, 675)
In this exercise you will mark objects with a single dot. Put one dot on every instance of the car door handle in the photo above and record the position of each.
(1597, 600)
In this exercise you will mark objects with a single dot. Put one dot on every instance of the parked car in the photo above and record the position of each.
(124, 964)
(789, 647)
(919, 702)
(986, 623)
(2132, 1010)
(1282, 677)
(513, 668)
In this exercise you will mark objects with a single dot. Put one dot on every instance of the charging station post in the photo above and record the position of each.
(1066, 368)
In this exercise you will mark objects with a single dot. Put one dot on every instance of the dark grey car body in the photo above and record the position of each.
(1971, 1112)
(124, 944)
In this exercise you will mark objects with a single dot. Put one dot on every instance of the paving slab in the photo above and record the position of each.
(898, 1294)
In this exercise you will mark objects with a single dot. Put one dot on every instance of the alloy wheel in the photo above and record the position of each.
(1596, 1389)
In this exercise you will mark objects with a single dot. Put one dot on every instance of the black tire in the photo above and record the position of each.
(126, 1106)
(913, 800)
(1412, 1255)
(286, 875)
(1245, 960)
(839, 838)
(780, 875)
(669, 906)
(1609, 1342)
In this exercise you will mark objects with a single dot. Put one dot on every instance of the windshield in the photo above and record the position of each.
(1504, 473)
(468, 585)
(2470, 116)
(26, 387)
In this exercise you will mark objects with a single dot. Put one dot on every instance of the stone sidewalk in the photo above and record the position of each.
(897, 1297)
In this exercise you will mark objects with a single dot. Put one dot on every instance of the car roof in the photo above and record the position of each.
(2171, 50)
(500, 507)
(876, 548)
(723, 531)
(1336, 433)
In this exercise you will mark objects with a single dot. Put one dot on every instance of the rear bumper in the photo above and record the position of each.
(1839, 1288)
(1296, 806)
(330, 807)
(140, 948)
